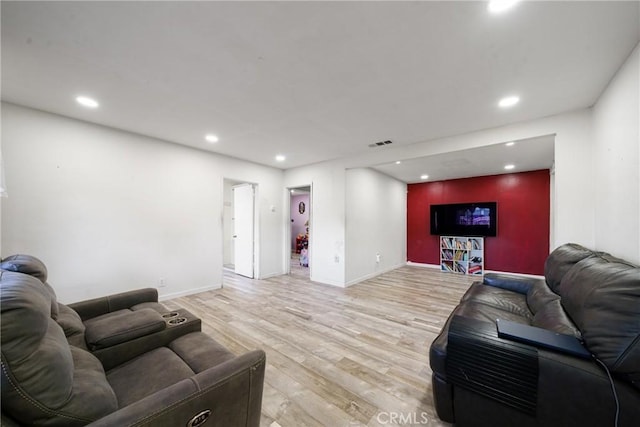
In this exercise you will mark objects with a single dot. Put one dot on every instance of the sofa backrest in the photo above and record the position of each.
(45, 381)
(561, 260)
(601, 294)
(66, 317)
(32, 266)
(27, 264)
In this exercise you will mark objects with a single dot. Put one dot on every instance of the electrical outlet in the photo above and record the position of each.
(336, 259)
(161, 283)
(377, 257)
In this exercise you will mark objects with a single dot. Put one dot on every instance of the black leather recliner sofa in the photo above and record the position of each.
(480, 379)
(120, 360)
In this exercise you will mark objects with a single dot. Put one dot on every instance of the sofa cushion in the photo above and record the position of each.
(539, 295)
(199, 351)
(553, 317)
(499, 298)
(44, 380)
(548, 312)
(561, 260)
(72, 326)
(160, 368)
(601, 294)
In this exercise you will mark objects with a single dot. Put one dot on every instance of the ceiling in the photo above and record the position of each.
(525, 155)
(315, 81)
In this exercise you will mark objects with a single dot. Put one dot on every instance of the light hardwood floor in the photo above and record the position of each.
(336, 357)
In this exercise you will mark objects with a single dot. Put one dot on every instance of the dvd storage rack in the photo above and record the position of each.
(462, 255)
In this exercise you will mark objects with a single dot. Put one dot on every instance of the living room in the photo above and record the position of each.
(111, 207)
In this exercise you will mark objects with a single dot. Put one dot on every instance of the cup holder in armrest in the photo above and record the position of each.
(170, 315)
(177, 321)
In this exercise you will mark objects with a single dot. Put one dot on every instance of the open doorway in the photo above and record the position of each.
(300, 231)
(238, 224)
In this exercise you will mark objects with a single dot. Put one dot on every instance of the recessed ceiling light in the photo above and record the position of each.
(497, 6)
(398, 162)
(424, 176)
(510, 144)
(509, 167)
(508, 101)
(280, 158)
(87, 102)
(211, 138)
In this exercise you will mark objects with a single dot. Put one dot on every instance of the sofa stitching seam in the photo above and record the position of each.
(37, 404)
(621, 359)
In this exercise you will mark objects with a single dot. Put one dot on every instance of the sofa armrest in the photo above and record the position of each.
(122, 326)
(103, 305)
(588, 386)
(510, 282)
(229, 394)
(118, 354)
(495, 379)
(498, 369)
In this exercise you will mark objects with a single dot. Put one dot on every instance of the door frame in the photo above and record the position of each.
(287, 229)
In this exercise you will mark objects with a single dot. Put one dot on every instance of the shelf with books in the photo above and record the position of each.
(462, 255)
(446, 254)
(447, 266)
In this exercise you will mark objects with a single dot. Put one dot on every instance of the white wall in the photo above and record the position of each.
(617, 163)
(376, 223)
(574, 209)
(109, 211)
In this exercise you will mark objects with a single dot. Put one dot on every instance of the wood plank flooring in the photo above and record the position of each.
(336, 357)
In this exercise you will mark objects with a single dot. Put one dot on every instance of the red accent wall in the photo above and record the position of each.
(522, 241)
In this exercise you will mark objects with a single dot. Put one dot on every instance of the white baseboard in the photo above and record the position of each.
(418, 264)
(437, 266)
(327, 282)
(372, 275)
(270, 275)
(192, 291)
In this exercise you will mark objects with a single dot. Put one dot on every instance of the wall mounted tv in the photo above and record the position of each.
(464, 219)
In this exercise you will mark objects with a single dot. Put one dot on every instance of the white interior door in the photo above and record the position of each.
(243, 229)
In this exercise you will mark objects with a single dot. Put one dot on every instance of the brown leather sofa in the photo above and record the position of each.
(119, 360)
(480, 379)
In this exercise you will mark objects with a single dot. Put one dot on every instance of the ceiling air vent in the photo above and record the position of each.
(380, 144)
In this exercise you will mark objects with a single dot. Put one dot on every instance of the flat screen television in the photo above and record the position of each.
(464, 219)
